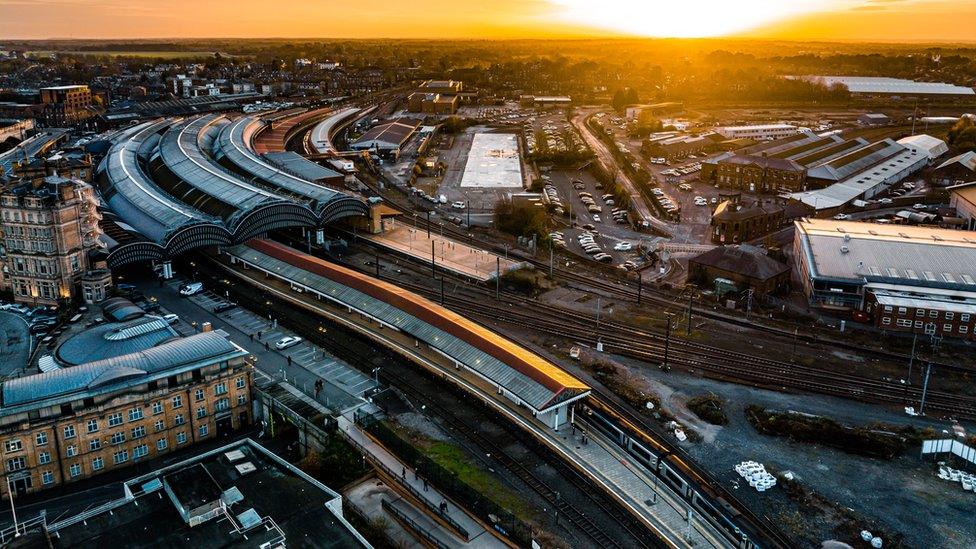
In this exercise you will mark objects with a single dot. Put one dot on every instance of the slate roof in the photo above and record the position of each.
(746, 260)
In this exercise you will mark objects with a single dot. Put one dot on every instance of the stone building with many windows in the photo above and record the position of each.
(72, 423)
(48, 228)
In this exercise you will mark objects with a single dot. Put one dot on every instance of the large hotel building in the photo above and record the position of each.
(70, 423)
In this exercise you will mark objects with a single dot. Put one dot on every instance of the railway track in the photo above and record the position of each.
(627, 291)
(565, 509)
(714, 362)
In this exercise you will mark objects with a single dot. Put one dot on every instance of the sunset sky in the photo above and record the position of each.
(889, 20)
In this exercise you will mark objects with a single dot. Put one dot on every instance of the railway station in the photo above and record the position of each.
(514, 372)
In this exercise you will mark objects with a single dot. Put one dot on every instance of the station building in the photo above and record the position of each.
(71, 423)
(904, 278)
(66, 105)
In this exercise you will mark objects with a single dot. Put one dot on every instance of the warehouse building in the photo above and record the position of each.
(388, 138)
(734, 222)
(884, 86)
(956, 170)
(873, 119)
(760, 174)
(963, 199)
(904, 278)
(765, 131)
(869, 171)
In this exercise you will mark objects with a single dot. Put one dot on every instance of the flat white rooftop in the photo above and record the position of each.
(875, 84)
(493, 162)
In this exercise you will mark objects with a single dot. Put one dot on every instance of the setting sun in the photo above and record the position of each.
(686, 19)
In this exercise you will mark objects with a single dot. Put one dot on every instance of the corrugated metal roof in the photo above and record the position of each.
(908, 252)
(886, 85)
(137, 199)
(99, 376)
(233, 142)
(319, 137)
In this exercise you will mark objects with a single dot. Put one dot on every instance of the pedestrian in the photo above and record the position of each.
(425, 485)
(266, 346)
(289, 361)
(251, 336)
(403, 473)
(259, 334)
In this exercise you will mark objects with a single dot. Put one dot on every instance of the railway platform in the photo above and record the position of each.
(448, 253)
(659, 508)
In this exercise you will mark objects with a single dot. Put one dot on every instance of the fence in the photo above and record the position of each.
(949, 446)
(412, 524)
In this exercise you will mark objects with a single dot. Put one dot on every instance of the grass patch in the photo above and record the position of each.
(456, 461)
(877, 440)
(709, 408)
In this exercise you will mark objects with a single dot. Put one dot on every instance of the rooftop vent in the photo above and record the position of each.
(847, 238)
(246, 467)
(844, 249)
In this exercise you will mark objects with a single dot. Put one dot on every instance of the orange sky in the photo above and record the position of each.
(892, 20)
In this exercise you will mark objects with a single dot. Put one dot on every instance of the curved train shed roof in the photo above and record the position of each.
(163, 179)
(535, 380)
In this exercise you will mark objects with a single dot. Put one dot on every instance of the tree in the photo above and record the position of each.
(962, 135)
(521, 219)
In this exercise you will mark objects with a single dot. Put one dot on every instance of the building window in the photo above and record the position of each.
(44, 457)
(97, 464)
(919, 312)
(16, 464)
(950, 315)
(177, 401)
(201, 412)
(41, 439)
(241, 400)
(964, 317)
(886, 320)
(222, 404)
(72, 450)
(963, 329)
(240, 382)
(92, 425)
(933, 314)
(75, 470)
(161, 444)
(901, 310)
(199, 395)
(69, 431)
(178, 420)
(94, 444)
(140, 451)
(139, 432)
(47, 477)
(180, 437)
(135, 414)
(157, 407)
(14, 445)
(159, 425)
(904, 323)
(220, 389)
(204, 429)
(115, 419)
(887, 308)
(120, 457)
(118, 438)
(947, 328)
(918, 323)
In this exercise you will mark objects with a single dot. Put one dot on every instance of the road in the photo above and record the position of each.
(15, 344)
(605, 157)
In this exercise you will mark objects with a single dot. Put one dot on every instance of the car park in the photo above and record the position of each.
(286, 342)
(192, 288)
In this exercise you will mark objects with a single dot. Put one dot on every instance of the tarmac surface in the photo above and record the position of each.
(15, 344)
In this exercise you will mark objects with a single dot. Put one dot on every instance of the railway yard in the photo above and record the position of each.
(491, 326)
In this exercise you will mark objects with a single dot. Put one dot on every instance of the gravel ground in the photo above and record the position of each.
(902, 496)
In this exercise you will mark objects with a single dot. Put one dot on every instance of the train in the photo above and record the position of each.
(697, 491)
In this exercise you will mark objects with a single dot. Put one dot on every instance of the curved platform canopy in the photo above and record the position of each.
(233, 147)
(321, 135)
(161, 179)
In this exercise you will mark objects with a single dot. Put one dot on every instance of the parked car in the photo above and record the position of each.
(171, 318)
(192, 288)
(287, 342)
(623, 247)
(18, 308)
(458, 205)
(841, 217)
(224, 307)
(596, 219)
